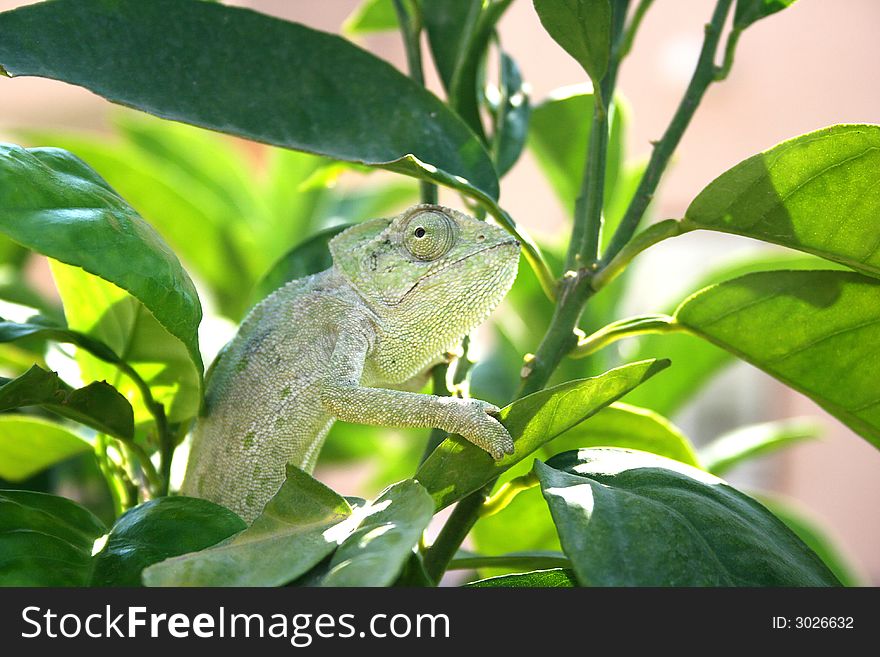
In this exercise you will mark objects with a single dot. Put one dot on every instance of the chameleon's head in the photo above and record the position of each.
(432, 260)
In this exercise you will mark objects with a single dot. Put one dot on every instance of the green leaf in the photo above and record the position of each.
(56, 205)
(299, 527)
(29, 445)
(559, 133)
(157, 530)
(815, 331)
(696, 361)
(457, 468)
(319, 93)
(818, 193)
(98, 405)
(749, 442)
(749, 11)
(371, 16)
(550, 578)
(45, 540)
(811, 532)
(44, 328)
(307, 258)
(631, 427)
(108, 314)
(376, 552)
(629, 518)
(582, 28)
(512, 116)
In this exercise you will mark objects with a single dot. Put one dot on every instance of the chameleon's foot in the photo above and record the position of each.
(485, 431)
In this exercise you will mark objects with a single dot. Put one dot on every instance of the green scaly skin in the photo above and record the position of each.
(402, 293)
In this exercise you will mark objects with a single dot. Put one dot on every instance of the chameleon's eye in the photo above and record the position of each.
(429, 235)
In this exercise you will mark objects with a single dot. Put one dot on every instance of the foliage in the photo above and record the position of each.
(144, 229)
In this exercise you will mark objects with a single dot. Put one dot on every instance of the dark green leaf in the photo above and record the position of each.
(157, 530)
(56, 205)
(317, 92)
(816, 331)
(371, 16)
(299, 527)
(309, 257)
(376, 552)
(512, 112)
(749, 442)
(45, 540)
(818, 193)
(749, 11)
(582, 28)
(551, 578)
(40, 327)
(457, 468)
(98, 405)
(29, 445)
(629, 518)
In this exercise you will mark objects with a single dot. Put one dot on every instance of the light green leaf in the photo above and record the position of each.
(559, 133)
(371, 16)
(300, 526)
(98, 405)
(582, 28)
(818, 193)
(317, 95)
(375, 553)
(45, 540)
(629, 518)
(746, 443)
(631, 427)
(29, 445)
(815, 331)
(696, 361)
(550, 578)
(56, 205)
(157, 530)
(457, 468)
(108, 314)
(749, 11)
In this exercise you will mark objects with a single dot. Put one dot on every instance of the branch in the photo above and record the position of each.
(704, 75)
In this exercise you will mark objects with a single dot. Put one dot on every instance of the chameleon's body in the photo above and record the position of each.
(401, 293)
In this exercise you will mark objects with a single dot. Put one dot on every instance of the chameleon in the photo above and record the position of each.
(351, 343)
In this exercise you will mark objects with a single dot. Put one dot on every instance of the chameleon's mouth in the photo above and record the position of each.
(511, 242)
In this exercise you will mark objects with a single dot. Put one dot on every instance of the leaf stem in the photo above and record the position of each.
(573, 291)
(411, 30)
(651, 235)
(635, 22)
(624, 328)
(704, 75)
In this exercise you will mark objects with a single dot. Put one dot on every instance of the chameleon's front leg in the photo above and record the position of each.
(346, 399)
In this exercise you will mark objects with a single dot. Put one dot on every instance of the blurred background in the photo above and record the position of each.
(810, 66)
